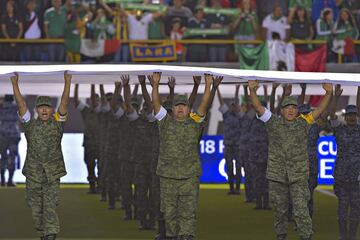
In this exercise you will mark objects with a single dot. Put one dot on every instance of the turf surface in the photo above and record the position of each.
(220, 216)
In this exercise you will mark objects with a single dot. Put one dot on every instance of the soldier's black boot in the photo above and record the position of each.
(186, 237)
(103, 196)
(2, 177)
(10, 182)
(258, 203)
(231, 186)
(50, 237)
(342, 230)
(162, 232)
(353, 230)
(237, 187)
(92, 188)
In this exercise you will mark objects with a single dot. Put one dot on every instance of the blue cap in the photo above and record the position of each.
(304, 109)
(351, 109)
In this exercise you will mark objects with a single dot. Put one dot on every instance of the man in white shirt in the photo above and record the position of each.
(276, 23)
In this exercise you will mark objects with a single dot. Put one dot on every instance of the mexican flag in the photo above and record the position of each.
(278, 55)
(98, 48)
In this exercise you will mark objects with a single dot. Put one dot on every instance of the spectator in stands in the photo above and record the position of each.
(246, 26)
(307, 4)
(157, 28)
(266, 7)
(217, 52)
(325, 30)
(300, 26)
(239, 4)
(197, 52)
(12, 27)
(31, 31)
(346, 30)
(354, 7)
(101, 27)
(177, 11)
(54, 27)
(139, 24)
(319, 5)
(276, 22)
(177, 33)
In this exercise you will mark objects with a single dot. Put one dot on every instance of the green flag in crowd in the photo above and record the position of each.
(253, 58)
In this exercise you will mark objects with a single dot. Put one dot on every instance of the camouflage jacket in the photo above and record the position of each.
(44, 149)
(347, 165)
(288, 148)
(179, 155)
(246, 122)
(312, 149)
(9, 121)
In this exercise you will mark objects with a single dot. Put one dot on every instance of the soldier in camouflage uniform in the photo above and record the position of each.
(231, 123)
(10, 134)
(258, 156)
(89, 115)
(44, 164)
(179, 164)
(347, 169)
(288, 170)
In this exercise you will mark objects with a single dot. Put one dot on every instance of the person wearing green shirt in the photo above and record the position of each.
(345, 26)
(54, 27)
(246, 25)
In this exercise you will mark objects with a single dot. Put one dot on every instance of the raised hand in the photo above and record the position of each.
(217, 80)
(287, 89)
(118, 84)
(142, 79)
(253, 84)
(125, 79)
(67, 77)
(209, 78)
(275, 85)
(338, 90)
(171, 82)
(15, 79)
(197, 80)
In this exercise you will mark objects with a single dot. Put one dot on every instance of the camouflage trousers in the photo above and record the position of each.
(280, 194)
(313, 182)
(179, 200)
(101, 171)
(232, 154)
(43, 198)
(248, 168)
(155, 196)
(9, 153)
(261, 184)
(91, 159)
(127, 179)
(113, 180)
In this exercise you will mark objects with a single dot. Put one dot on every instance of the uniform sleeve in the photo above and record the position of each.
(26, 118)
(81, 106)
(132, 116)
(266, 116)
(161, 114)
(224, 108)
(119, 113)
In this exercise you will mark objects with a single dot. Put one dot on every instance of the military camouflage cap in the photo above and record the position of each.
(304, 108)
(289, 100)
(167, 104)
(351, 109)
(180, 99)
(43, 101)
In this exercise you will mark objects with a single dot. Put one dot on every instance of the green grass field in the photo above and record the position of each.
(220, 216)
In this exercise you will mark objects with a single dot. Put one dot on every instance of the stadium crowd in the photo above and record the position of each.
(334, 21)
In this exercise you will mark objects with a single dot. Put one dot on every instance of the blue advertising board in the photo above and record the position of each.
(213, 162)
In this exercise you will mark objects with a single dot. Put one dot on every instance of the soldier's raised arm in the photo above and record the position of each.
(76, 95)
(155, 81)
(20, 101)
(335, 99)
(192, 98)
(145, 93)
(206, 97)
(127, 94)
(328, 87)
(102, 96)
(272, 96)
(115, 97)
(214, 89)
(253, 86)
(301, 98)
(92, 95)
(171, 85)
(63, 108)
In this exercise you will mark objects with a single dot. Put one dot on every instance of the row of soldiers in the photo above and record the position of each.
(122, 139)
(9, 140)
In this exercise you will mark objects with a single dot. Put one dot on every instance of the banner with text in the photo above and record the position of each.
(144, 53)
